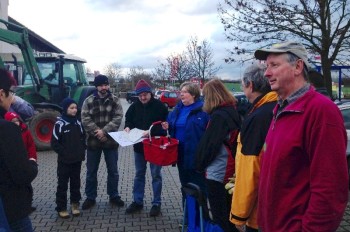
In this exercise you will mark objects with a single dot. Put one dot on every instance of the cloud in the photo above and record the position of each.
(129, 32)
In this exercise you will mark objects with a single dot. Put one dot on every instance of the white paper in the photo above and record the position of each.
(127, 139)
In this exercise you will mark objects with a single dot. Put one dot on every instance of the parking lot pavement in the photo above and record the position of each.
(104, 217)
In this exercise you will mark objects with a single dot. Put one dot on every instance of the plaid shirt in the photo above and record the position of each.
(292, 98)
(101, 113)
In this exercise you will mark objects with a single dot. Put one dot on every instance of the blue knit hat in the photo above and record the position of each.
(101, 80)
(142, 86)
(66, 103)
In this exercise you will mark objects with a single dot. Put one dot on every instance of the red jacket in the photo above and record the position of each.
(28, 141)
(304, 179)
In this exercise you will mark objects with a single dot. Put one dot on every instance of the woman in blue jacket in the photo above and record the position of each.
(187, 123)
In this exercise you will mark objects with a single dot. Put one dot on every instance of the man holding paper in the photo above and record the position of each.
(141, 114)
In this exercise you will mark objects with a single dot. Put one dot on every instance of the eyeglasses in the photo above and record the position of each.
(12, 93)
(184, 91)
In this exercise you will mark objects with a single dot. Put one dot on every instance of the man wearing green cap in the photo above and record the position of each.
(304, 177)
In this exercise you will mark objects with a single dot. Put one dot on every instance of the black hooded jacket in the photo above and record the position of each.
(141, 116)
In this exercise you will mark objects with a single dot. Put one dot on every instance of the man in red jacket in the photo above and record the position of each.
(303, 179)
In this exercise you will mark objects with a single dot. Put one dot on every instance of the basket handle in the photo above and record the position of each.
(150, 128)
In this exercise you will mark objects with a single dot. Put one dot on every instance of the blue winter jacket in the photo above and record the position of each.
(196, 124)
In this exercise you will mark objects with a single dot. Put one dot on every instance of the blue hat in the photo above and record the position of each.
(142, 86)
(66, 103)
(101, 80)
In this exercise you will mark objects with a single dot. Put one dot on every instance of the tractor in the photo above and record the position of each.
(44, 80)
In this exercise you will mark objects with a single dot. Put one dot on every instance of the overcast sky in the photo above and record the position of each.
(128, 32)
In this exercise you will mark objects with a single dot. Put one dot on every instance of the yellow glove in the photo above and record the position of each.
(231, 184)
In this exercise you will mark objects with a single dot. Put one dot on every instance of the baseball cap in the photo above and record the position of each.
(285, 47)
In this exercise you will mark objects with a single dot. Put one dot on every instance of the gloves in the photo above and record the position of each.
(231, 184)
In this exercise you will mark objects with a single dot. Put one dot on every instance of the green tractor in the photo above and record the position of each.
(44, 80)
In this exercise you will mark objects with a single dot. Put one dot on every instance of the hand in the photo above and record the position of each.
(231, 184)
(127, 129)
(165, 125)
(145, 133)
(99, 134)
(103, 139)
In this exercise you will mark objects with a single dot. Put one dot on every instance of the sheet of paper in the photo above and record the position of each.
(127, 139)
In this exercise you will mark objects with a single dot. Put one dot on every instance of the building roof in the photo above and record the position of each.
(37, 42)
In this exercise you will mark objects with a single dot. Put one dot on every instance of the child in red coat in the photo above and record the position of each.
(26, 136)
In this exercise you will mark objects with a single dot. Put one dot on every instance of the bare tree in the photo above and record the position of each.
(137, 73)
(200, 57)
(161, 73)
(180, 67)
(321, 25)
(176, 67)
(114, 72)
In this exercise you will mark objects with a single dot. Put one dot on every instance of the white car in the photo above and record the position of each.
(345, 110)
(158, 93)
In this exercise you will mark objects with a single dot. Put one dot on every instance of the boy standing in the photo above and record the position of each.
(68, 141)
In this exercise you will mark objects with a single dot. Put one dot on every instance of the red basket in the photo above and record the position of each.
(160, 150)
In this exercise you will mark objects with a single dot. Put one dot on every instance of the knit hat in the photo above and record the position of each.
(142, 86)
(66, 103)
(11, 115)
(101, 80)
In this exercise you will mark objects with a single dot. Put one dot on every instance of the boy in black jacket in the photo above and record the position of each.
(68, 141)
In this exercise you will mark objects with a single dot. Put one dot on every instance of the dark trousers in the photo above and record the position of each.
(220, 205)
(68, 173)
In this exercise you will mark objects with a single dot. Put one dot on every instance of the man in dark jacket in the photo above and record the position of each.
(16, 170)
(141, 114)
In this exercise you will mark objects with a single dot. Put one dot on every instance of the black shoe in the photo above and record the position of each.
(155, 211)
(88, 204)
(116, 201)
(133, 208)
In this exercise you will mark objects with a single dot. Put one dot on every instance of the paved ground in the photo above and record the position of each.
(103, 217)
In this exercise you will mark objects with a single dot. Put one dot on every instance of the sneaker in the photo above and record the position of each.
(75, 209)
(64, 214)
(155, 211)
(116, 201)
(133, 208)
(88, 204)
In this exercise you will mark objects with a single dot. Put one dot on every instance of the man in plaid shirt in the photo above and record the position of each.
(101, 113)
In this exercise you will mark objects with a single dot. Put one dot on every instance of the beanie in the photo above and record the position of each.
(142, 86)
(66, 103)
(11, 115)
(101, 80)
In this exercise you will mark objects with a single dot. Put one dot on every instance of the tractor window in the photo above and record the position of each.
(70, 74)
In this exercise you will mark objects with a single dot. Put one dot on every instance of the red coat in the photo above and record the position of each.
(28, 141)
(304, 177)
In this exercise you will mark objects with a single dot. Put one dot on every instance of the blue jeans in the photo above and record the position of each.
(93, 158)
(140, 178)
(22, 225)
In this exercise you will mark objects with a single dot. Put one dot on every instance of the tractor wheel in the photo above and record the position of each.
(41, 126)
